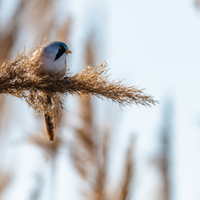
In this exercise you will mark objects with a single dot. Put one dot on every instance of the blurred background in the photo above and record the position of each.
(103, 151)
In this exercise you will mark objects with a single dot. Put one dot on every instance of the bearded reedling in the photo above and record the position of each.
(53, 59)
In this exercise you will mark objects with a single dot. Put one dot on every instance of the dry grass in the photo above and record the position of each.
(128, 173)
(4, 182)
(50, 149)
(164, 160)
(197, 3)
(8, 35)
(17, 78)
(102, 165)
(64, 30)
(8, 39)
(90, 152)
(90, 51)
(84, 149)
(41, 15)
(90, 148)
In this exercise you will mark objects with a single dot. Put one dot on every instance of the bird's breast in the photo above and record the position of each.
(49, 66)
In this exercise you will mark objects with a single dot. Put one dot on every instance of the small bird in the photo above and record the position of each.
(53, 58)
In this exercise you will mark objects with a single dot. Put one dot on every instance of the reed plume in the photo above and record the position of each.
(18, 78)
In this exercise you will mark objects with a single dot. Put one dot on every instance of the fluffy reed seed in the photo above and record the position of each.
(18, 78)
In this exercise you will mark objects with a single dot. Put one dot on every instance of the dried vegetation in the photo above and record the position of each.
(17, 77)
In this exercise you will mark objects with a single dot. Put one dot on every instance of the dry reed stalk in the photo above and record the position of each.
(164, 159)
(64, 30)
(90, 151)
(90, 51)
(85, 135)
(8, 35)
(164, 168)
(85, 132)
(8, 39)
(101, 165)
(3, 108)
(83, 154)
(124, 189)
(89, 155)
(41, 15)
(197, 3)
(4, 182)
(50, 149)
(17, 78)
(90, 147)
(128, 173)
(38, 189)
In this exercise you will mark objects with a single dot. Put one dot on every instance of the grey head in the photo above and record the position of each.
(56, 49)
(54, 56)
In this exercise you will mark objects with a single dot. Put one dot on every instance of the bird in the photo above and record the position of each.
(53, 59)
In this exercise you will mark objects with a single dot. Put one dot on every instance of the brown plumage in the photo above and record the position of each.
(49, 124)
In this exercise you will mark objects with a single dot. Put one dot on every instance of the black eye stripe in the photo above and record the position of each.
(61, 51)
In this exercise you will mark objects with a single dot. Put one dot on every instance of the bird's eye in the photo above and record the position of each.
(60, 47)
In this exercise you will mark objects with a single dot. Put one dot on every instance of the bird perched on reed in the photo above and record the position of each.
(53, 59)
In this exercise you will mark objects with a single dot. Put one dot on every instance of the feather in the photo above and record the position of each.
(50, 127)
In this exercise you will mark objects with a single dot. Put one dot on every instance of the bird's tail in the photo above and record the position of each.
(50, 126)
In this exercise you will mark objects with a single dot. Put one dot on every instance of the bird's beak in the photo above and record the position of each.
(68, 51)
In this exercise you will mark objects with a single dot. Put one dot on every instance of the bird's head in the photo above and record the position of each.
(56, 51)
(53, 57)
